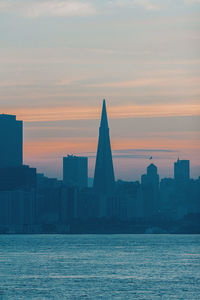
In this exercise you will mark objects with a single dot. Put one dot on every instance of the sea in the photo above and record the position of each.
(149, 266)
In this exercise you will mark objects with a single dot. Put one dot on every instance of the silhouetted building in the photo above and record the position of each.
(13, 178)
(167, 198)
(69, 204)
(57, 205)
(48, 200)
(182, 171)
(17, 198)
(11, 139)
(127, 204)
(150, 191)
(17, 182)
(104, 180)
(17, 210)
(182, 187)
(194, 196)
(88, 204)
(75, 171)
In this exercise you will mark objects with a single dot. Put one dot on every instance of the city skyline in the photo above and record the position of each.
(99, 149)
(103, 156)
(30, 201)
(59, 59)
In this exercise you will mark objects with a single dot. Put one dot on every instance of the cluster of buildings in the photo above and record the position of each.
(32, 202)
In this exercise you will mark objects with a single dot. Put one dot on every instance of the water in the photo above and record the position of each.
(99, 267)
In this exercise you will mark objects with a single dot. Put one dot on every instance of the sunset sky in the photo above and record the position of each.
(60, 58)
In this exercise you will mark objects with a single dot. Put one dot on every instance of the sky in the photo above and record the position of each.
(60, 58)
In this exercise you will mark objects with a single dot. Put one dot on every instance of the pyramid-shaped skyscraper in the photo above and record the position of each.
(104, 179)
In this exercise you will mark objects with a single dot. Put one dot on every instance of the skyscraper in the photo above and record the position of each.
(11, 140)
(104, 179)
(75, 171)
(182, 170)
(150, 190)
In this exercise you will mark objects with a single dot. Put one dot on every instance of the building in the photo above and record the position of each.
(17, 198)
(88, 204)
(129, 204)
(11, 137)
(75, 171)
(182, 187)
(150, 191)
(168, 205)
(182, 171)
(48, 204)
(13, 178)
(17, 181)
(17, 211)
(104, 180)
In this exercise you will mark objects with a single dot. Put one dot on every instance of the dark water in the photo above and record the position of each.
(100, 267)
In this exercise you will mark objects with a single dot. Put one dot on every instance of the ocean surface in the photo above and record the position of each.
(99, 267)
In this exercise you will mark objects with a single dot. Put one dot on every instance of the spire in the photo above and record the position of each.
(104, 119)
(104, 173)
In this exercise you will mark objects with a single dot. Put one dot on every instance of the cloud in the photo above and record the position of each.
(54, 8)
(123, 156)
(129, 83)
(192, 1)
(143, 150)
(146, 4)
(36, 114)
(167, 81)
(142, 153)
(5, 5)
(134, 153)
(57, 147)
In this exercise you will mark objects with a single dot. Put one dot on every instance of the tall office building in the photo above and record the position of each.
(13, 178)
(152, 175)
(11, 141)
(104, 179)
(75, 171)
(150, 191)
(182, 170)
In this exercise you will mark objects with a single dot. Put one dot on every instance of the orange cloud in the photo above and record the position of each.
(92, 112)
(156, 143)
(58, 147)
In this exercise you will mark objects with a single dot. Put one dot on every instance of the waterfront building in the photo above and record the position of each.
(13, 178)
(11, 141)
(75, 171)
(150, 191)
(182, 171)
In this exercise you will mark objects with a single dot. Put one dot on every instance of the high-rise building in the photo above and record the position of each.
(150, 190)
(13, 178)
(104, 179)
(152, 175)
(16, 210)
(75, 171)
(182, 170)
(11, 141)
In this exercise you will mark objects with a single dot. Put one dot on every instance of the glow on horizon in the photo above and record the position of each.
(47, 154)
(41, 114)
(61, 146)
